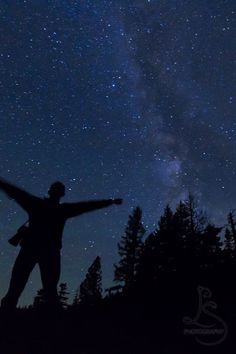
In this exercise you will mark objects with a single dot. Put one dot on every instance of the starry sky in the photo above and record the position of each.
(115, 98)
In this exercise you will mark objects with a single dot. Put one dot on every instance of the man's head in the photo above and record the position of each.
(57, 190)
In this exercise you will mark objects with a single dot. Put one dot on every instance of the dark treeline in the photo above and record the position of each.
(185, 249)
(181, 273)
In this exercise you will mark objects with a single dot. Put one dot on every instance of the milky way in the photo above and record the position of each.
(133, 99)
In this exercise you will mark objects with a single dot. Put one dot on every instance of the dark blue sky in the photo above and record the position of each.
(133, 99)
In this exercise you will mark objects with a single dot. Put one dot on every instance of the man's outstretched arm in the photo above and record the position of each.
(74, 209)
(23, 198)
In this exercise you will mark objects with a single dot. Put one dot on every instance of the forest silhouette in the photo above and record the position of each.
(174, 291)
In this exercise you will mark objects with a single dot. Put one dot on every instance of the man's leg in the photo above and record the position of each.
(22, 268)
(50, 268)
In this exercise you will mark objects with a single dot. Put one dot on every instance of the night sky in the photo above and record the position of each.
(124, 98)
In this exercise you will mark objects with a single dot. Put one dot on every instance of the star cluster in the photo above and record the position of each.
(133, 99)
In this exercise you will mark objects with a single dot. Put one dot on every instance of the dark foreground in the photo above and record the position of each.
(119, 327)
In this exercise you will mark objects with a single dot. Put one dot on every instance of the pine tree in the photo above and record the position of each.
(39, 299)
(232, 225)
(63, 295)
(167, 242)
(210, 247)
(147, 270)
(190, 223)
(163, 249)
(76, 299)
(229, 246)
(130, 248)
(91, 287)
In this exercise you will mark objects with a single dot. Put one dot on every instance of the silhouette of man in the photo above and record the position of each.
(47, 218)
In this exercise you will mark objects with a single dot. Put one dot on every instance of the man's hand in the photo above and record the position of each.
(117, 201)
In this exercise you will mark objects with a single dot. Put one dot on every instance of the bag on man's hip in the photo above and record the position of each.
(21, 235)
